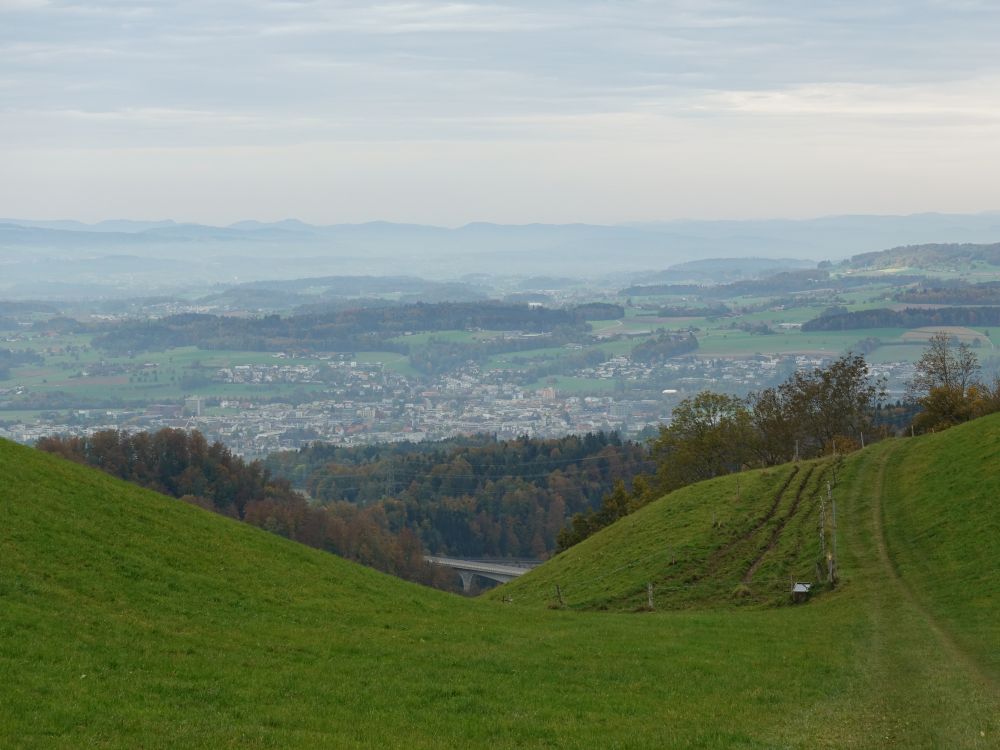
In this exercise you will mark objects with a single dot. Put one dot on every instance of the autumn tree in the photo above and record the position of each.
(708, 435)
(946, 363)
(946, 385)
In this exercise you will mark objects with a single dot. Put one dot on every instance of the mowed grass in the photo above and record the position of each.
(131, 620)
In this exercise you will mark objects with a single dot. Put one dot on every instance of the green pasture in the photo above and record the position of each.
(417, 339)
(507, 361)
(133, 620)
(722, 342)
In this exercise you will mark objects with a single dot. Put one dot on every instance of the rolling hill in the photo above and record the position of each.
(131, 620)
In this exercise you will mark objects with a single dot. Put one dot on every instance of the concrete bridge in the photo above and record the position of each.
(502, 572)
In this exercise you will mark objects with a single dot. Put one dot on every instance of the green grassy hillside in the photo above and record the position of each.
(941, 518)
(736, 541)
(732, 540)
(131, 620)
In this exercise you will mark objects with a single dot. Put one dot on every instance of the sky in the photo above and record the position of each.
(513, 112)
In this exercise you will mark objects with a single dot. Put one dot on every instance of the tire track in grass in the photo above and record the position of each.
(748, 534)
(776, 534)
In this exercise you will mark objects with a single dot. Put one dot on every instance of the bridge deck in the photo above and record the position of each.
(474, 566)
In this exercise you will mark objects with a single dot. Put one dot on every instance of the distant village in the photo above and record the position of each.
(363, 403)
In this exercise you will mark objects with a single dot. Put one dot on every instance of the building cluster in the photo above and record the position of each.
(268, 374)
(362, 403)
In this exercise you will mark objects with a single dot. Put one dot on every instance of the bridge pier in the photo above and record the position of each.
(466, 576)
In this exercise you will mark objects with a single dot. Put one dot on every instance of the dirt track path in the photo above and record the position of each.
(947, 641)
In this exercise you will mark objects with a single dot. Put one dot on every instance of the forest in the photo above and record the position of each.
(17, 358)
(470, 498)
(360, 329)
(663, 346)
(955, 292)
(911, 317)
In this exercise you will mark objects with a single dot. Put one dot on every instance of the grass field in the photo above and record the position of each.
(415, 339)
(131, 620)
(545, 354)
(730, 343)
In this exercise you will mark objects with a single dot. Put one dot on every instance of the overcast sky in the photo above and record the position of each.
(445, 113)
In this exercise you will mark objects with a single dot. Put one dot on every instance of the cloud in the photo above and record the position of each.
(15, 5)
(417, 18)
(958, 100)
(682, 75)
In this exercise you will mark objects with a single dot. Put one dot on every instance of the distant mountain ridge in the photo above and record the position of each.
(34, 252)
(928, 255)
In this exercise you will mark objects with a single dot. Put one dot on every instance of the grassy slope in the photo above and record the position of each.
(127, 619)
(919, 543)
(942, 525)
(702, 546)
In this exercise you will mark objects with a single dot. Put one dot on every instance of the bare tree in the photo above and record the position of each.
(947, 364)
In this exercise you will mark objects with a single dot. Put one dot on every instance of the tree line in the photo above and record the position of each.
(911, 317)
(11, 358)
(359, 329)
(952, 292)
(663, 345)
